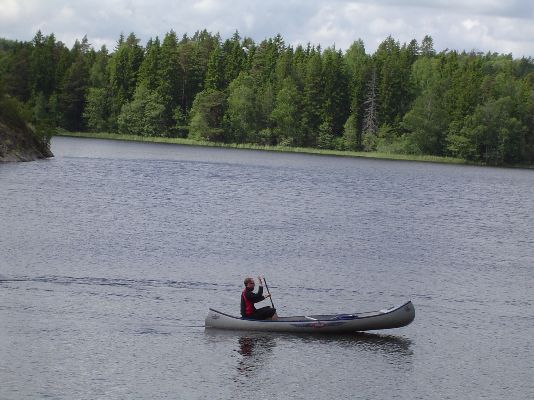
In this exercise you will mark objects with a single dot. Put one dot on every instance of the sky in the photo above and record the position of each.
(504, 26)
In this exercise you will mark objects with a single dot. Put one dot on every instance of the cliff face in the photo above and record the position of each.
(19, 143)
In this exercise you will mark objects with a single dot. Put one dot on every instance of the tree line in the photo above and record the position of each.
(402, 98)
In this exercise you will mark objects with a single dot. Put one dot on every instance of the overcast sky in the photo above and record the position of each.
(502, 26)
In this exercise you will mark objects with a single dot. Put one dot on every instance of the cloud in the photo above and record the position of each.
(9, 9)
(485, 25)
(509, 8)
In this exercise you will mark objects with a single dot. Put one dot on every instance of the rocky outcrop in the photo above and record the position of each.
(20, 143)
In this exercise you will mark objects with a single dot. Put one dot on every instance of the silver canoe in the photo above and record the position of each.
(394, 317)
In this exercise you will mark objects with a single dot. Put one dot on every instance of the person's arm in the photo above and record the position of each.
(260, 290)
(255, 297)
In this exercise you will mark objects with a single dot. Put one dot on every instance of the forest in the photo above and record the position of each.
(406, 99)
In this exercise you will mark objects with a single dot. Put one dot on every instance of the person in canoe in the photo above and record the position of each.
(248, 298)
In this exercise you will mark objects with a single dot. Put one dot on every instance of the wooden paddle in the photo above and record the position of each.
(267, 287)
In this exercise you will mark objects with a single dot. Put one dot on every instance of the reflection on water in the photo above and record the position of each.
(253, 350)
(268, 359)
(365, 341)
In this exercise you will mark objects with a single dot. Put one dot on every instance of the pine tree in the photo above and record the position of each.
(235, 56)
(336, 91)
(358, 64)
(313, 102)
(203, 45)
(124, 67)
(170, 76)
(284, 67)
(150, 67)
(15, 71)
(427, 47)
(264, 61)
(43, 64)
(73, 90)
(98, 72)
(387, 59)
(215, 71)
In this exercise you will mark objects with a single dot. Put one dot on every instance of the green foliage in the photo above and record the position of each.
(285, 115)
(215, 70)
(370, 142)
(73, 94)
(265, 99)
(207, 116)
(12, 111)
(404, 98)
(97, 110)
(313, 97)
(389, 143)
(234, 58)
(492, 134)
(426, 124)
(427, 47)
(358, 67)
(149, 68)
(181, 129)
(242, 111)
(351, 136)
(123, 70)
(144, 115)
(389, 79)
(15, 71)
(16, 116)
(325, 139)
(98, 72)
(44, 112)
(336, 107)
(43, 64)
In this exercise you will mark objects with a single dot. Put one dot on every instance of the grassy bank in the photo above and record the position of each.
(305, 150)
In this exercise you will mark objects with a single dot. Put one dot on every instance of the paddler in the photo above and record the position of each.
(249, 298)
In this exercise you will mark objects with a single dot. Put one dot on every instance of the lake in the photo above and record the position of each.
(112, 252)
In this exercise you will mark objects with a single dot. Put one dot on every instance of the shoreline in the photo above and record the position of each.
(280, 149)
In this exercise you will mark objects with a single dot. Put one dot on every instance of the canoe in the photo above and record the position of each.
(394, 317)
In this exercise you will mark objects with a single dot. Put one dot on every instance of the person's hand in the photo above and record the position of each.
(266, 296)
(260, 281)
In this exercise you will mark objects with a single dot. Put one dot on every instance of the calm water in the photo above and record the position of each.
(112, 252)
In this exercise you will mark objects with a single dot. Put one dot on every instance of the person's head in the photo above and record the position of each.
(249, 282)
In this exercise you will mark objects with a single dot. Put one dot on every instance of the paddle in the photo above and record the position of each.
(267, 287)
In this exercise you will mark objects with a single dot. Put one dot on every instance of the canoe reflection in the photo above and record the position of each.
(365, 341)
(253, 349)
(255, 345)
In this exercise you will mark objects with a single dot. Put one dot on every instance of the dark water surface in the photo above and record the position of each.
(112, 252)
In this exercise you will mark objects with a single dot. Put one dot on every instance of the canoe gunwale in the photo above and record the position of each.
(305, 318)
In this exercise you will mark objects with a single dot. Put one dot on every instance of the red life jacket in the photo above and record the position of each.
(249, 307)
